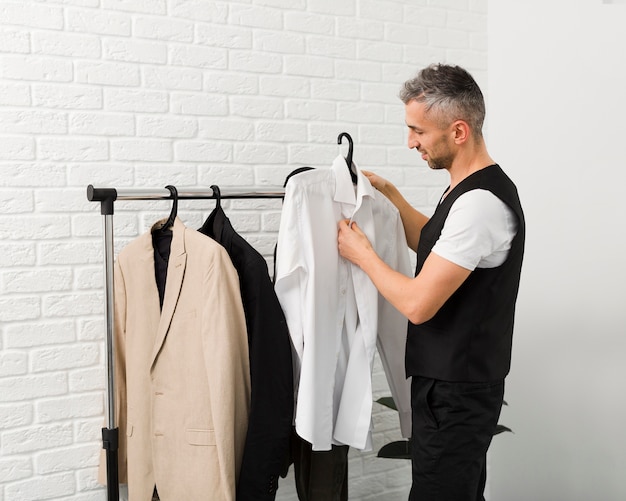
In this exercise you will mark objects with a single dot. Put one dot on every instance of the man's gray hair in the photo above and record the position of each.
(450, 93)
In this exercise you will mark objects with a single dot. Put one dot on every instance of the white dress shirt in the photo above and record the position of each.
(335, 315)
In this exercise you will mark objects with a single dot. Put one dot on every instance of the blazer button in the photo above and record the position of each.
(273, 485)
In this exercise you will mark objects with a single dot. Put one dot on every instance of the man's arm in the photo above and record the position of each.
(417, 298)
(412, 220)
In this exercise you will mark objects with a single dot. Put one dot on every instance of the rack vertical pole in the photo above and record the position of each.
(110, 434)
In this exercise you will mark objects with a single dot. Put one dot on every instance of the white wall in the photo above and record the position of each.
(557, 108)
(145, 93)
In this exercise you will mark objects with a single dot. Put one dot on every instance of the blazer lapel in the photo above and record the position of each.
(175, 273)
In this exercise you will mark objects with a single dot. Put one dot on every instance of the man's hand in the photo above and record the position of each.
(412, 220)
(353, 244)
(377, 182)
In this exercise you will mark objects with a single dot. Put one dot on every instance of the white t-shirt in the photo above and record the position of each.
(478, 231)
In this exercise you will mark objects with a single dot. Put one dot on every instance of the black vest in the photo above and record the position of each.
(469, 338)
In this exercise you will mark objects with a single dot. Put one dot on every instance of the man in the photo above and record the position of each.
(461, 302)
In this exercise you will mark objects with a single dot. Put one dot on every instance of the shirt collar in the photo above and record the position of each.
(344, 189)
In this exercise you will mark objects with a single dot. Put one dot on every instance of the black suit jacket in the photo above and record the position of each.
(271, 373)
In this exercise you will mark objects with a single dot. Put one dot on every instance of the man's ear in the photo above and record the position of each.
(461, 131)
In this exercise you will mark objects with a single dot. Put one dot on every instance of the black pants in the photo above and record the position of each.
(453, 424)
(320, 475)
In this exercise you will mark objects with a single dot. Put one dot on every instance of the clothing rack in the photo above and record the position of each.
(107, 198)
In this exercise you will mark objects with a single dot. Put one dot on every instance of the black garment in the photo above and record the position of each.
(453, 424)
(161, 242)
(271, 373)
(470, 337)
(320, 475)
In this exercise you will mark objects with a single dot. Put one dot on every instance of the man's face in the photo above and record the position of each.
(428, 137)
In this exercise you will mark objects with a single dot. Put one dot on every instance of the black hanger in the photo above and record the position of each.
(217, 194)
(174, 212)
(294, 172)
(349, 157)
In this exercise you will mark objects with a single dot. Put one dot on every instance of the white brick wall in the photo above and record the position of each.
(187, 92)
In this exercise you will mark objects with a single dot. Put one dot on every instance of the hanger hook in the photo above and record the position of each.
(174, 211)
(350, 150)
(217, 194)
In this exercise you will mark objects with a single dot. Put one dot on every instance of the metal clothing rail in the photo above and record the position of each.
(107, 198)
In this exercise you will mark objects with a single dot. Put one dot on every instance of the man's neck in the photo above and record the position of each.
(467, 162)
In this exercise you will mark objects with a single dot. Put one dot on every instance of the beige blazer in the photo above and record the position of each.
(182, 374)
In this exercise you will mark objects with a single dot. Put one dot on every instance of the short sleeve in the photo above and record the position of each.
(478, 231)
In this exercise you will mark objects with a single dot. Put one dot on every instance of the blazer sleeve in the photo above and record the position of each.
(271, 410)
